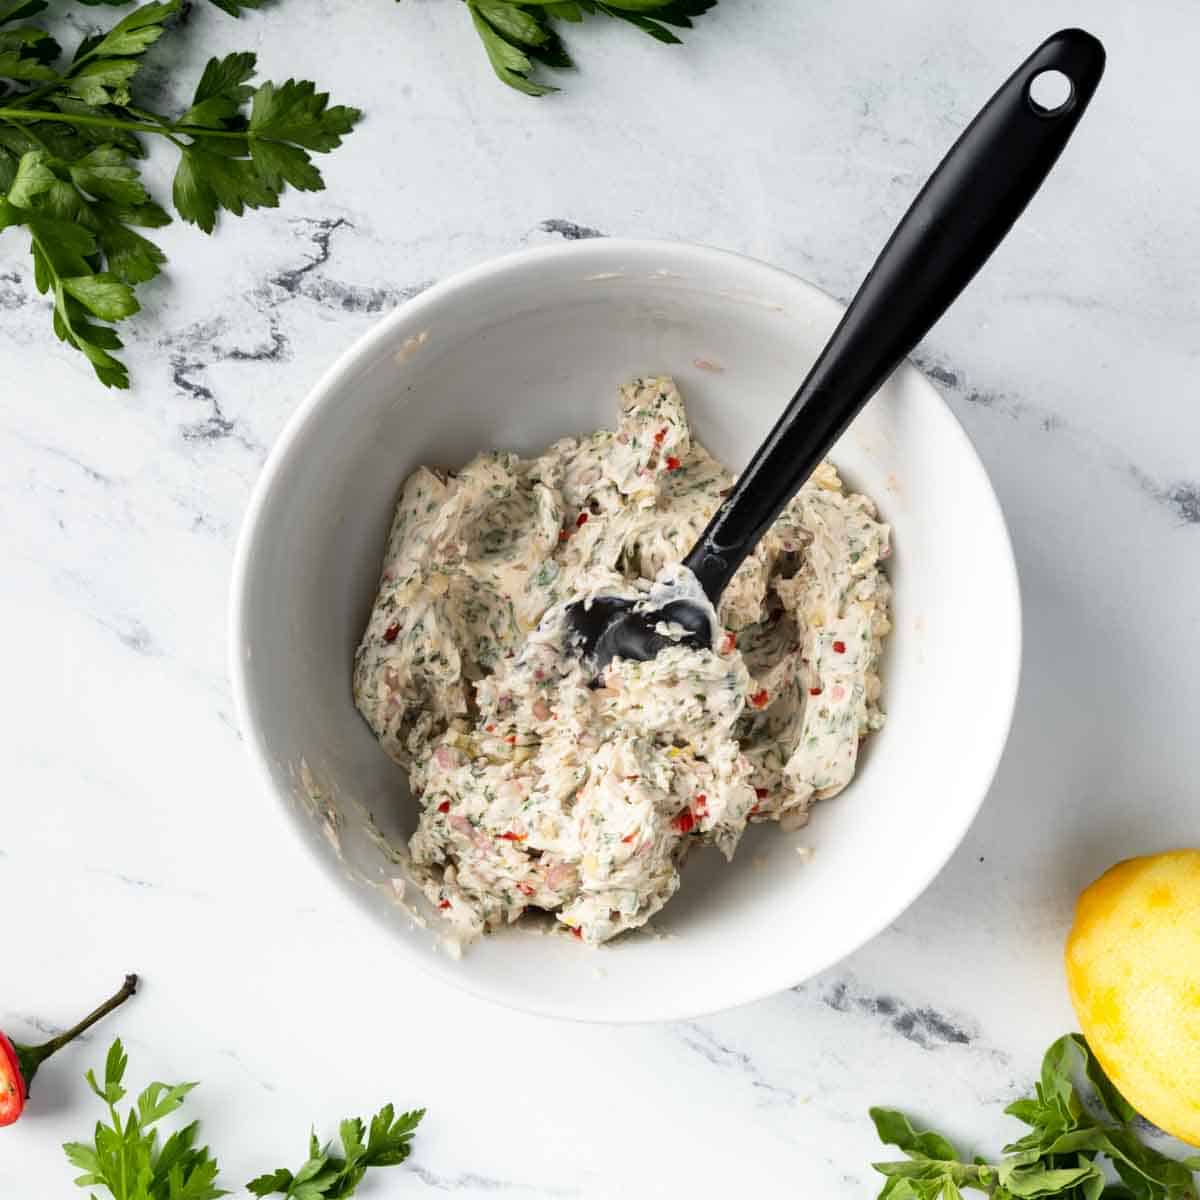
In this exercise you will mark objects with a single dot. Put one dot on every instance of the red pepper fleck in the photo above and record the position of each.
(658, 437)
(839, 647)
(563, 535)
(525, 889)
(629, 837)
(729, 645)
(444, 807)
(576, 932)
(512, 837)
(673, 463)
(753, 809)
(701, 804)
(391, 632)
(511, 739)
(760, 698)
(581, 519)
(761, 793)
(684, 822)
(490, 728)
(444, 904)
(19, 1064)
(814, 691)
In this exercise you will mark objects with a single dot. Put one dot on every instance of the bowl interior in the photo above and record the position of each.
(517, 354)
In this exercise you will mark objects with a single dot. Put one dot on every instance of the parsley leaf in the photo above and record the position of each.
(328, 1176)
(125, 1156)
(71, 137)
(518, 34)
(1071, 1132)
(229, 162)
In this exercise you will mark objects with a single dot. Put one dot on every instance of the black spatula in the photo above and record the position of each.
(960, 216)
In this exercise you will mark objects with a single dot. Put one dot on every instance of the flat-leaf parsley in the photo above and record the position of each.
(71, 137)
(1077, 1119)
(126, 1158)
(518, 35)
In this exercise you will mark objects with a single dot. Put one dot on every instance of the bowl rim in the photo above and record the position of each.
(328, 385)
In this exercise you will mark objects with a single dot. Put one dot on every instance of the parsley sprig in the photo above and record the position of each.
(125, 1156)
(329, 1176)
(1074, 1127)
(72, 135)
(518, 35)
(126, 1159)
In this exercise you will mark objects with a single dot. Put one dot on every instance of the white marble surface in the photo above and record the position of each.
(134, 836)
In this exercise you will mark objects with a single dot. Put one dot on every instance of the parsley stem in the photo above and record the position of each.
(165, 126)
(33, 137)
(20, 115)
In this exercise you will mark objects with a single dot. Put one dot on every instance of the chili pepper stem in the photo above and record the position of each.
(32, 1057)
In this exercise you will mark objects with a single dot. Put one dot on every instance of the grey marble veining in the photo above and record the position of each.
(134, 836)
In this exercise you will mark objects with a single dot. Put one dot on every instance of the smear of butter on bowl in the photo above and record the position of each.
(409, 347)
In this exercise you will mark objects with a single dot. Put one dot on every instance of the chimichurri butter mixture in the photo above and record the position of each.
(540, 792)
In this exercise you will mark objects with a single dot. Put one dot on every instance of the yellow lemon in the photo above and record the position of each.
(1133, 969)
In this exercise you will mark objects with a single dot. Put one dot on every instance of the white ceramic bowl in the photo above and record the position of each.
(517, 353)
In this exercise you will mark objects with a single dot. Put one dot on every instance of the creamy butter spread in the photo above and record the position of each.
(540, 792)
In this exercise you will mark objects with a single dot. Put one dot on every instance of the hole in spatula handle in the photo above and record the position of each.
(1050, 93)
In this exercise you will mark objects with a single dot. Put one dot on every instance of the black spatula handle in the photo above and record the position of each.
(959, 218)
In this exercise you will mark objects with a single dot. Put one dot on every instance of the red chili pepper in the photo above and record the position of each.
(390, 633)
(673, 463)
(444, 807)
(685, 822)
(839, 647)
(814, 691)
(444, 904)
(512, 837)
(12, 1083)
(19, 1064)
(658, 437)
(581, 519)
(760, 698)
